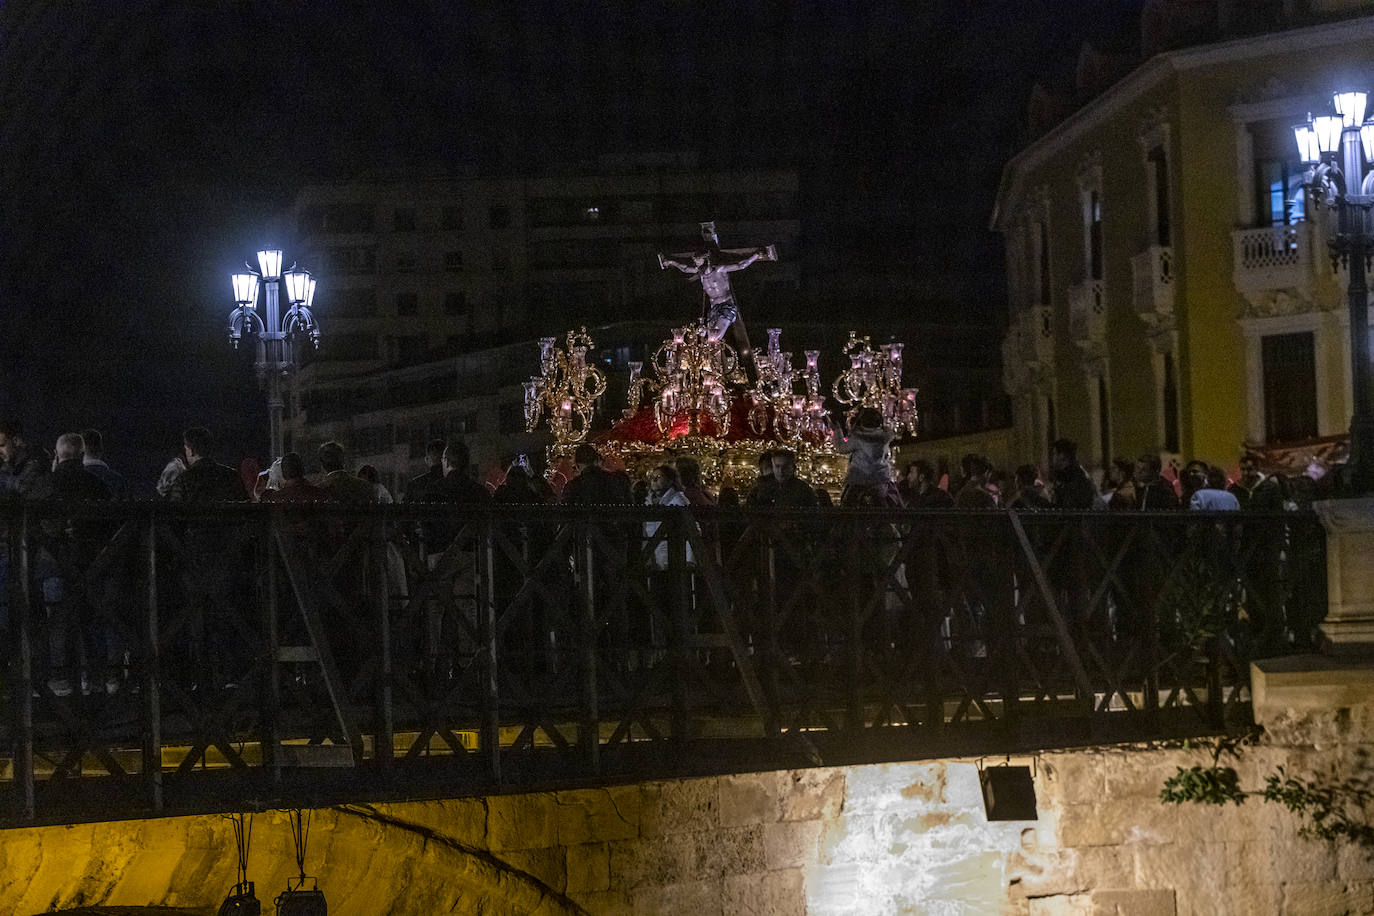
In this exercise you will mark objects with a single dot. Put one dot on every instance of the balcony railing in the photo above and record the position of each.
(169, 659)
(1152, 273)
(1274, 258)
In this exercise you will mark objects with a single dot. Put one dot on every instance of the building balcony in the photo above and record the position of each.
(1088, 314)
(1273, 259)
(1152, 282)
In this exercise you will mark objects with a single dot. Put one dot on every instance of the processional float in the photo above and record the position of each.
(695, 396)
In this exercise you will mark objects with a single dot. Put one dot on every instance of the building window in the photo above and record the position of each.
(498, 217)
(407, 303)
(453, 261)
(353, 302)
(1290, 387)
(455, 302)
(350, 260)
(1170, 396)
(451, 218)
(403, 219)
(500, 259)
(1280, 199)
(1159, 171)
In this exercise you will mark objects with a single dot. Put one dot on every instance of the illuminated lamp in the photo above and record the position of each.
(1008, 793)
(269, 260)
(1367, 139)
(297, 285)
(1328, 128)
(246, 289)
(310, 293)
(1350, 106)
(1307, 143)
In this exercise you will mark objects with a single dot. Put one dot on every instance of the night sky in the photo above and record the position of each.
(145, 148)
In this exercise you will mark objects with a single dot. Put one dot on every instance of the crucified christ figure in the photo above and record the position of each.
(712, 267)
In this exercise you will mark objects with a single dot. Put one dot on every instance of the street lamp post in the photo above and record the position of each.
(275, 333)
(1332, 145)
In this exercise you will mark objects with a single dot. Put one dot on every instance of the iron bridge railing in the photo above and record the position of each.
(165, 658)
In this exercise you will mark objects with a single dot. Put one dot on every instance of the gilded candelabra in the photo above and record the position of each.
(874, 379)
(691, 373)
(793, 415)
(566, 389)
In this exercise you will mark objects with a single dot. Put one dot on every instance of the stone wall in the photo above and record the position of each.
(897, 838)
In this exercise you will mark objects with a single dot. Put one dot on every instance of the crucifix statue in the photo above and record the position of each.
(712, 266)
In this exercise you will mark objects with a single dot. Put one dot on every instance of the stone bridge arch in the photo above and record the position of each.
(417, 857)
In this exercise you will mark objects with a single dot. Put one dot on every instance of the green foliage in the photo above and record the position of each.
(1212, 785)
(1331, 812)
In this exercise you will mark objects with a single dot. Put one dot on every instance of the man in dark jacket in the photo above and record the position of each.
(213, 589)
(418, 489)
(1153, 492)
(1073, 489)
(67, 546)
(594, 485)
(94, 461)
(205, 480)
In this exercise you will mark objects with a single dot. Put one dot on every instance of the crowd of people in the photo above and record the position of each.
(76, 471)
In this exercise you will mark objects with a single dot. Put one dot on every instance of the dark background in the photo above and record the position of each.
(147, 147)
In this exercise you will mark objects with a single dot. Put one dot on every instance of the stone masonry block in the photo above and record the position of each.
(1248, 878)
(1131, 773)
(1132, 903)
(791, 844)
(680, 806)
(1295, 859)
(521, 822)
(849, 839)
(836, 890)
(1072, 779)
(883, 787)
(1354, 863)
(1116, 821)
(1061, 905)
(460, 819)
(1327, 898)
(751, 798)
(1102, 866)
(606, 903)
(549, 865)
(812, 794)
(774, 893)
(589, 868)
(686, 857)
(598, 815)
(1180, 865)
(1203, 901)
(698, 898)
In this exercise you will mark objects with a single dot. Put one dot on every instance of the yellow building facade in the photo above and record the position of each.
(1169, 288)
